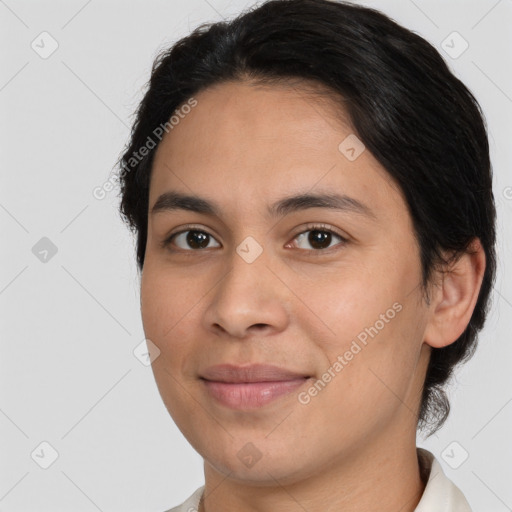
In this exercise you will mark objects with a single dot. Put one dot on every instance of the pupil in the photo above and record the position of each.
(197, 239)
(318, 238)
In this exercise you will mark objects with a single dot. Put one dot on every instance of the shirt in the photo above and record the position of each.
(440, 494)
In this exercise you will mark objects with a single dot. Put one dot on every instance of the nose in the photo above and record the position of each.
(249, 299)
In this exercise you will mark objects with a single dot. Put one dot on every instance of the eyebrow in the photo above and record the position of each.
(172, 200)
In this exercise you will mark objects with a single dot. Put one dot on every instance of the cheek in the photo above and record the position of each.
(367, 384)
(167, 307)
(374, 321)
(348, 306)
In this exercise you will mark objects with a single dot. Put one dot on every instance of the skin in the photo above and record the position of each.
(353, 446)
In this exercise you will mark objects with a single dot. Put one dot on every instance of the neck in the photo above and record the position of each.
(384, 476)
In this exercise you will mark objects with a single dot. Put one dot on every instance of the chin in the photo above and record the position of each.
(260, 463)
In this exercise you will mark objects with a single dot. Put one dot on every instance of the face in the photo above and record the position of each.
(290, 336)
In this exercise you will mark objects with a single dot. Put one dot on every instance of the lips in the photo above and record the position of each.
(253, 373)
(248, 387)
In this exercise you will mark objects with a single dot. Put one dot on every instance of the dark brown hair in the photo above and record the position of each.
(420, 122)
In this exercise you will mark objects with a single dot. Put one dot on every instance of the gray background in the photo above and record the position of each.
(70, 321)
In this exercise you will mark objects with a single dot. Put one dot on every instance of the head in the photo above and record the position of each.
(257, 118)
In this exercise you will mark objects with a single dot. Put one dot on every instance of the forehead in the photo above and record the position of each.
(254, 143)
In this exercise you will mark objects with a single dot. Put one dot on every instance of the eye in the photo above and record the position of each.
(190, 240)
(319, 238)
(194, 239)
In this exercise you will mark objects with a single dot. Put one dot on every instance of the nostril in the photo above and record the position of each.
(259, 327)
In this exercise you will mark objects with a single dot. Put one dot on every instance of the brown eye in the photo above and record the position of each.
(192, 239)
(318, 239)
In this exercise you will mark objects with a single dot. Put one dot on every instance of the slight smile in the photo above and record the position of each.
(251, 386)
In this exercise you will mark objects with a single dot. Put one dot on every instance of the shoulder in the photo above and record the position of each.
(191, 503)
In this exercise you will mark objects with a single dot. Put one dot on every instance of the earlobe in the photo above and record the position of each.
(455, 297)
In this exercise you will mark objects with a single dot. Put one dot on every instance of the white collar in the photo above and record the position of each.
(440, 494)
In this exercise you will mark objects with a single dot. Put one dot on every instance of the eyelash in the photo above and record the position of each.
(309, 227)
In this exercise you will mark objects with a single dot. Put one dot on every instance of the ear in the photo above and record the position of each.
(455, 297)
